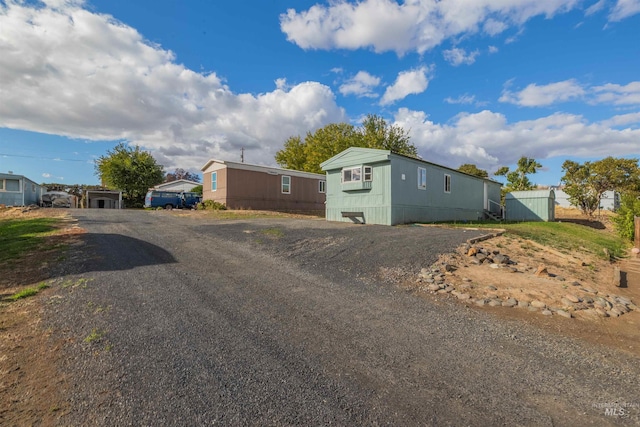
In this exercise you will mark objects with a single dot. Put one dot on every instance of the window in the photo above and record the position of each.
(10, 185)
(352, 174)
(322, 186)
(286, 184)
(214, 181)
(422, 178)
(33, 188)
(368, 173)
(447, 183)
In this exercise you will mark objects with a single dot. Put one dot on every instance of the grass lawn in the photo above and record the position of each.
(21, 236)
(564, 236)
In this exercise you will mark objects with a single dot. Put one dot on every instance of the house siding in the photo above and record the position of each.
(374, 202)
(28, 193)
(262, 190)
(392, 200)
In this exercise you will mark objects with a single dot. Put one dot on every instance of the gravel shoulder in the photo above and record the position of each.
(177, 320)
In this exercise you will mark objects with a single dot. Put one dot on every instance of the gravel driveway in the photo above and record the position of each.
(173, 320)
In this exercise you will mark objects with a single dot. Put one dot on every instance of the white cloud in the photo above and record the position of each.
(596, 7)
(537, 96)
(462, 99)
(488, 140)
(624, 9)
(458, 56)
(98, 79)
(361, 85)
(407, 83)
(493, 27)
(46, 175)
(413, 25)
(493, 49)
(617, 94)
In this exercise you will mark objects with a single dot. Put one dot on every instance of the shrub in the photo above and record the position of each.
(211, 205)
(624, 220)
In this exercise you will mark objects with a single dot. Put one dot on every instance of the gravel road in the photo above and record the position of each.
(282, 322)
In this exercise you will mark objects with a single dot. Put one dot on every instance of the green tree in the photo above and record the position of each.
(324, 143)
(293, 155)
(376, 133)
(576, 182)
(586, 183)
(624, 219)
(197, 189)
(130, 170)
(473, 170)
(518, 180)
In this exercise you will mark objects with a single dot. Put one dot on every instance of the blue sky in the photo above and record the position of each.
(481, 82)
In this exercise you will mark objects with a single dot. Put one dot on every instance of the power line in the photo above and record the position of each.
(43, 158)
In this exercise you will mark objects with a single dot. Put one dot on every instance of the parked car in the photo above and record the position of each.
(171, 199)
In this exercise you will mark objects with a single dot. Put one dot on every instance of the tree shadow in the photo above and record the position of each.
(89, 252)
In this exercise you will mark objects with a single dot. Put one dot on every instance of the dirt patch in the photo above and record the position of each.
(31, 387)
(569, 294)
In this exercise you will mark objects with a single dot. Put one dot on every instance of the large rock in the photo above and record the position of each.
(572, 298)
(510, 302)
(564, 314)
(538, 304)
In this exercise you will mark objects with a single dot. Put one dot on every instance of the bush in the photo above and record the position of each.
(211, 205)
(624, 220)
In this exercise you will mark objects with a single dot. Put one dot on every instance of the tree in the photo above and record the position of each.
(625, 217)
(197, 189)
(130, 170)
(473, 170)
(180, 173)
(586, 183)
(376, 133)
(307, 155)
(576, 181)
(518, 180)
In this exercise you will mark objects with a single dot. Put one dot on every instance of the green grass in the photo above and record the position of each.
(566, 237)
(94, 336)
(25, 293)
(20, 236)
(28, 292)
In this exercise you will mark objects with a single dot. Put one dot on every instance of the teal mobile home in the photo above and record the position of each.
(380, 187)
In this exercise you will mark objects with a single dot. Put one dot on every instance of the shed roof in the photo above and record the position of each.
(177, 181)
(532, 194)
(259, 168)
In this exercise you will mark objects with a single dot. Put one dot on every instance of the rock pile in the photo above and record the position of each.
(443, 279)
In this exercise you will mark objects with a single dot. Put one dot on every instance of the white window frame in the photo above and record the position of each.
(422, 178)
(367, 173)
(288, 184)
(447, 183)
(214, 174)
(322, 186)
(357, 169)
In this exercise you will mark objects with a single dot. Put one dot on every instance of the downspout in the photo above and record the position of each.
(23, 190)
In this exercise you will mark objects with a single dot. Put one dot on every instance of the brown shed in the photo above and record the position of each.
(247, 186)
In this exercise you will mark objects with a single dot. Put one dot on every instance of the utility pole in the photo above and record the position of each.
(242, 155)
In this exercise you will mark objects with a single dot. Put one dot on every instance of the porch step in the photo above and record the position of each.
(490, 215)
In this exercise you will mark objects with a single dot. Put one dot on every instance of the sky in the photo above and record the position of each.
(483, 82)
